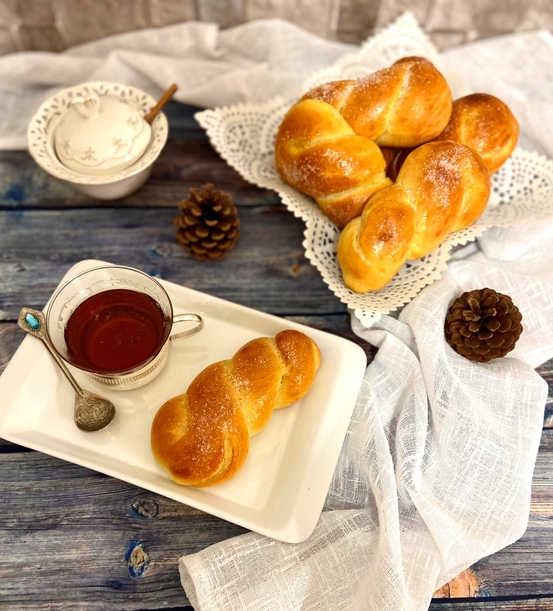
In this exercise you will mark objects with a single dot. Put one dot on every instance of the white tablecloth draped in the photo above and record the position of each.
(251, 62)
(435, 472)
(436, 467)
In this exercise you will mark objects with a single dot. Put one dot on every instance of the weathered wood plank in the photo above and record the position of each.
(117, 544)
(266, 270)
(114, 544)
(464, 585)
(183, 164)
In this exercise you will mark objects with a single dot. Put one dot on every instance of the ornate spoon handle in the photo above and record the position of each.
(92, 412)
(34, 322)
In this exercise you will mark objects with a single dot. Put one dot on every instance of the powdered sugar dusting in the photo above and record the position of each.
(522, 190)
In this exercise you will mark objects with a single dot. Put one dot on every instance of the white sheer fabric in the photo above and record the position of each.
(248, 63)
(435, 472)
(437, 465)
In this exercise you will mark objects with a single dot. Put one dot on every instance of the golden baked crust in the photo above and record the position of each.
(318, 153)
(327, 146)
(202, 437)
(480, 121)
(442, 187)
(402, 106)
(486, 125)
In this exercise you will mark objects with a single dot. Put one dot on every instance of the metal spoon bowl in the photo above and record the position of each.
(92, 412)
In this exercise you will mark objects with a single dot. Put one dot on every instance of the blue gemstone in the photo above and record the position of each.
(32, 321)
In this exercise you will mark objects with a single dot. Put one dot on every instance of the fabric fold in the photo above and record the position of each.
(251, 62)
(435, 472)
(436, 468)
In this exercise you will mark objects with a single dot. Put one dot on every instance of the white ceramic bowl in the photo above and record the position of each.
(41, 132)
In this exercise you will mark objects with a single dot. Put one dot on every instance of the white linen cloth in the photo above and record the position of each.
(436, 467)
(435, 472)
(212, 67)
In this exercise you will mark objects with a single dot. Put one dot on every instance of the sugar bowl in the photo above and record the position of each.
(95, 137)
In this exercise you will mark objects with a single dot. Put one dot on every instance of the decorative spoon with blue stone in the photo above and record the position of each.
(92, 412)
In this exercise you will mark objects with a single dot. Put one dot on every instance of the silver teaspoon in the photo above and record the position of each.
(92, 412)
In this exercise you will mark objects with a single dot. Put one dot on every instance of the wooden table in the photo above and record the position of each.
(71, 538)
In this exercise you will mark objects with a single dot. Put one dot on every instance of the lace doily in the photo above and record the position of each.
(244, 136)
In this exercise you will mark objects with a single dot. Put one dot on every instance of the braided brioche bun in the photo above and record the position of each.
(401, 106)
(202, 437)
(327, 145)
(486, 125)
(480, 121)
(442, 187)
(319, 154)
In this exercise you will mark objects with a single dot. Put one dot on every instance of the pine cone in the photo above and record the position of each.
(207, 224)
(483, 325)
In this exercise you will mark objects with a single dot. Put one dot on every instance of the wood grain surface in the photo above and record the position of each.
(72, 538)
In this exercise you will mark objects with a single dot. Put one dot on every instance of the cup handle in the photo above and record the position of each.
(187, 318)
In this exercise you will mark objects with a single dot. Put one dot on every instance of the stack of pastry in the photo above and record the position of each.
(394, 162)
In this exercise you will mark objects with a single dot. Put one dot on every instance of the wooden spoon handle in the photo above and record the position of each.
(161, 103)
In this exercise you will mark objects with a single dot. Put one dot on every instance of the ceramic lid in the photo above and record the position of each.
(101, 134)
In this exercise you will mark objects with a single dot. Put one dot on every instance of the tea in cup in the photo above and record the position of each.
(115, 323)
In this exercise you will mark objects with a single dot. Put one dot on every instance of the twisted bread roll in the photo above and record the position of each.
(480, 121)
(327, 144)
(401, 106)
(318, 153)
(202, 437)
(442, 187)
(486, 125)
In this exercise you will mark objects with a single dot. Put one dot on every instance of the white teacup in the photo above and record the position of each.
(115, 323)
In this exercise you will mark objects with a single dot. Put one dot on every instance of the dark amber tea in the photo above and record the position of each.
(116, 331)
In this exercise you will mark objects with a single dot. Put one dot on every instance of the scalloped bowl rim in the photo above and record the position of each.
(40, 133)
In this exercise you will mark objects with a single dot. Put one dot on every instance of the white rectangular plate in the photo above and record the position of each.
(280, 490)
